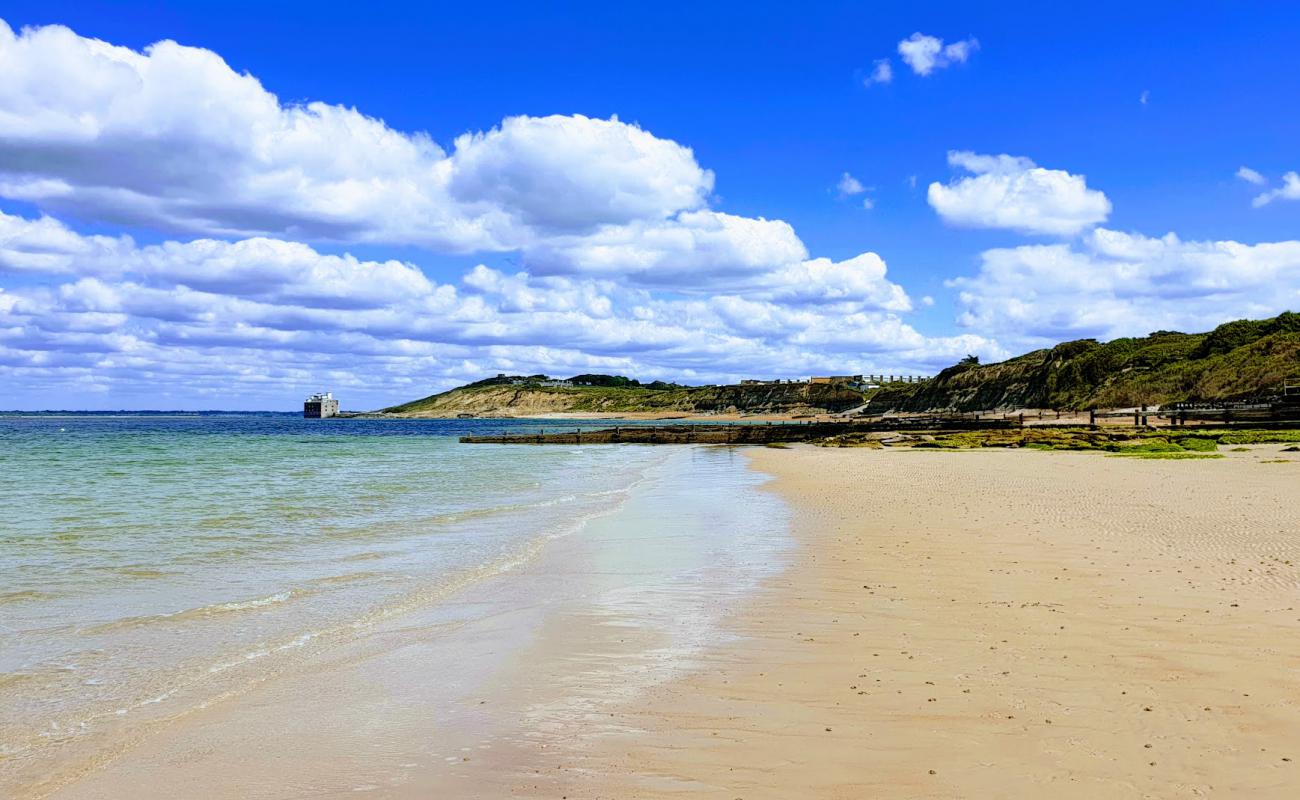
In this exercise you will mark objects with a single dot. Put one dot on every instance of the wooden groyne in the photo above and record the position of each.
(771, 433)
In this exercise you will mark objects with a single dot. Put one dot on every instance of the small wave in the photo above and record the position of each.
(240, 605)
(366, 556)
(488, 511)
(23, 596)
(611, 492)
(568, 498)
(201, 612)
(348, 577)
(253, 655)
(136, 571)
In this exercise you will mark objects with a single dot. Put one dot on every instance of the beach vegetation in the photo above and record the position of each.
(1171, 443)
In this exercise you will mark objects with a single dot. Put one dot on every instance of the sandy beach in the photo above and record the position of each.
(942, 624)
(994, 624)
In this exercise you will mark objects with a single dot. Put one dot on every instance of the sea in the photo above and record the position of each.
(155, 564)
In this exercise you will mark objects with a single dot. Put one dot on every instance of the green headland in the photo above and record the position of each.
(1241, 360)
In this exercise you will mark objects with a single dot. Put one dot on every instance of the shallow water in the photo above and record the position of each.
(151, 566)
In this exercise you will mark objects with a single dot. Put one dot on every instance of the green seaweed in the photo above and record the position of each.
(1163, 454)
(1256, 436)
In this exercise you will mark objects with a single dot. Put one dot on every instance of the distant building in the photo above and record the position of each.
(880, 380)
(544, 382)
(320, 406)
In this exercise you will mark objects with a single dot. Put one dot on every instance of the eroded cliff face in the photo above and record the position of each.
(494, 401)
(782, 398)
(514, 401)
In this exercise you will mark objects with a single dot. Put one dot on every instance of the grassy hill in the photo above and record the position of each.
(1246, 359)
(497, 397)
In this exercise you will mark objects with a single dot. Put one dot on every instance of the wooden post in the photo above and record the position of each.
(1022, 419)
(1092, 417)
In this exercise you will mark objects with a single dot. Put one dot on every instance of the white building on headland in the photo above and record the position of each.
(320, 405)
(549, 383)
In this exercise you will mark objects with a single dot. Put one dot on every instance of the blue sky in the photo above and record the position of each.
(1121, 123)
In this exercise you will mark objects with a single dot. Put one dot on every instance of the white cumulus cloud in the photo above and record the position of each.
(1289, 190)
(1113, 284)
(849, 185)
(1015, 193)
(696, 248)
(171, 137)
(265, 319)
(882, 71)
(925, 54)
(1251, 176)
(574, 174)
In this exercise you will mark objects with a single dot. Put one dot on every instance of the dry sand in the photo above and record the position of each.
(992, 624)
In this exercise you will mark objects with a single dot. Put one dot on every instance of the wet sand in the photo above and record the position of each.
(993, 624)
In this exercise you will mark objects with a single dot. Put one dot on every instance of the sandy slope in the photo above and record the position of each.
(993, 624)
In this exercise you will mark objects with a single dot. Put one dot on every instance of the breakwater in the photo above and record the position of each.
(772, 433)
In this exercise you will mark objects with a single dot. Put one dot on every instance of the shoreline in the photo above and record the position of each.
(455, 698)
(1005, 624)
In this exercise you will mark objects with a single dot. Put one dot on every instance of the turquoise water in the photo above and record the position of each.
(150, 565)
